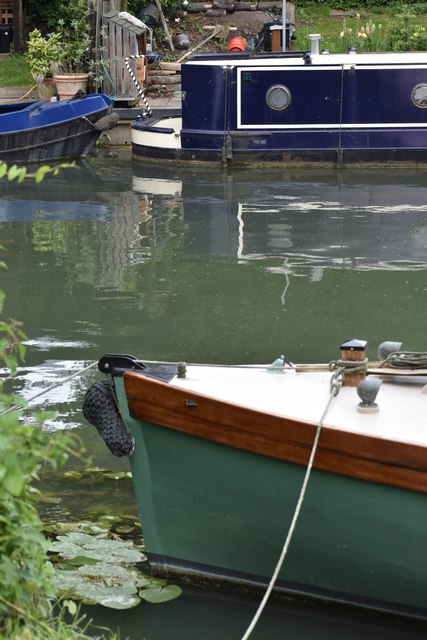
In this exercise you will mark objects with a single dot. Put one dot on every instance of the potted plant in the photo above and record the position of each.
(43, 54)
(73, 68)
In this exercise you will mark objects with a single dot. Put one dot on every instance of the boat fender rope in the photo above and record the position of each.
(101, 410)
(106, 123)
(335, 386)
(141, 94)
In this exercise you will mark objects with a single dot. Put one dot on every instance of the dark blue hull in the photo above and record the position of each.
(302, 108)
(52, 131)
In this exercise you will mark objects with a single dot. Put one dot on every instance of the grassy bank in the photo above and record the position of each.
(14, 72)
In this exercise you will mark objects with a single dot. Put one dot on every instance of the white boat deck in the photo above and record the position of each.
(402, 402)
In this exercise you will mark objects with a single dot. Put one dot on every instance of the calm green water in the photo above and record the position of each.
(199, 265)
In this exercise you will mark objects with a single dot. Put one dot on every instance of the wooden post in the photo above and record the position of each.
(164, 24)
(276, 37)
(18, 26)
(353, 351)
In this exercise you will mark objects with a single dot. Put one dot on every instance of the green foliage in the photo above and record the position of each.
(399, 33)
(171, 8)
(43, 54)
(68, 47)
(75, 38)
(20, 173)
(25, 574)
(50, 12)
(392, 28)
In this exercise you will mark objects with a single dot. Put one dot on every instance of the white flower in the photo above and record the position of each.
(177, 20)
(184, 2)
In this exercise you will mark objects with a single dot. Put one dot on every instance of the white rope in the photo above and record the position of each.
(335, 387)
(52, 386)
(141, 93)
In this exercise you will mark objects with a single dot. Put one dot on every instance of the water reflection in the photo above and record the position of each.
(201, 265)
(198, 615)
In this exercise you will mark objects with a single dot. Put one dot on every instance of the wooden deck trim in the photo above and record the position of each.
(341, 452)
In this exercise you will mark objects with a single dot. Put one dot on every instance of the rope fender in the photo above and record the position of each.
(148, 111)
(106, 123)
(101, 410)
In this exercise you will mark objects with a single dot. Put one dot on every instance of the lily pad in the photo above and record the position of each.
(76, 544)
(158, 594)
(97, 569)
(119, 592)
(83, 527)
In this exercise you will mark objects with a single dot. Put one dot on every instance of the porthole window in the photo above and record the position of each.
(419, 95)
(278, 97)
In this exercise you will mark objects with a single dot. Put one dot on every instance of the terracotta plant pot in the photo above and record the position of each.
(46, 89)
(68, 84)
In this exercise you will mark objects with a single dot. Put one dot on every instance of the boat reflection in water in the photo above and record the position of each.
(345, 220)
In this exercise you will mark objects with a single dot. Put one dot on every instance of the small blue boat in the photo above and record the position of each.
(53, 131)
(294, 107)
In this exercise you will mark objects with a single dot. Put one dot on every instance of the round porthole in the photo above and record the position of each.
(278, 97)
(419, 95)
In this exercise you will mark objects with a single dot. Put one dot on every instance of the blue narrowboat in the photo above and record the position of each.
(294, 107)
(42, 131)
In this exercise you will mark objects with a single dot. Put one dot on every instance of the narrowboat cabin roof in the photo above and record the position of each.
(306, 58)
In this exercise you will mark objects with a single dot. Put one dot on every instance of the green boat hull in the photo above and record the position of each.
(224, 514)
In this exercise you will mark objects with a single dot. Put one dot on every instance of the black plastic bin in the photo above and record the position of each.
(6, 37)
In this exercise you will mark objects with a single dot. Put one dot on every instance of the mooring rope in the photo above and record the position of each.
(15, 407)
(141, 93)
(12, 100)
(351, 366)
(335, 386)
(406, 360)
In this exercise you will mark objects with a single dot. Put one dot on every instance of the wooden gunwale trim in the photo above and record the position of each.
(353, 455)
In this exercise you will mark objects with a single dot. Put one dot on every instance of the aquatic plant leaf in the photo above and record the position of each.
(103, 583)
(109, 519)
(145, 581)
(123, 528)
(75, 475)
(103, 572)
(71, 606)
(156, 594)
(78, 561)
(81, 545)
(83, 527)
(106, 570)
(117, 601)
(107, 473)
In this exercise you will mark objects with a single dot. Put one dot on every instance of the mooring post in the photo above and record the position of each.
(353, 352)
